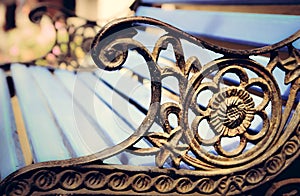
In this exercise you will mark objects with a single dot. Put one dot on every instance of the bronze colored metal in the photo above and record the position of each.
(73, 37)
(229, 114)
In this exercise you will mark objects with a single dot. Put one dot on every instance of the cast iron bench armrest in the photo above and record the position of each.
(229, 113)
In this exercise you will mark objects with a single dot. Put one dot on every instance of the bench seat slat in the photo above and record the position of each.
(60, 102)
(125, 85)
(104, 111)
(204, 56)
(118, 126)
(118, 116)
(44, 135)
(10, 151)
(86, 100)
(257, 29)
(86, 133)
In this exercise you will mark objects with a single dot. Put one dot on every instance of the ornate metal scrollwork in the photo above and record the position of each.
(230, 111)
(262, 152)
(72, 40)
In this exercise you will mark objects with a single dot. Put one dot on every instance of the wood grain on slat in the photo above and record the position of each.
(45, 138)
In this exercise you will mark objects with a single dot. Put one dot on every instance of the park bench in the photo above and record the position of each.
(167, 113)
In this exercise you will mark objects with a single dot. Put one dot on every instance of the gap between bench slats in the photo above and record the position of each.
(39, 121)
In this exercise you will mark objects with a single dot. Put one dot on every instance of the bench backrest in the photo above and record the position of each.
(256, 29)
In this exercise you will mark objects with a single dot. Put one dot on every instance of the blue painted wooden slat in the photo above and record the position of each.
(226, 2)
(68, 115)
(84, 97)
(205, 56)
(115, 114)
(89, 134)
(44, 135)
(123, 82)
(258, 29)
(115, 122)
(11, 157)
(104, 111)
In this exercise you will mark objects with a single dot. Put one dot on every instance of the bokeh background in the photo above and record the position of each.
(22, 41)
